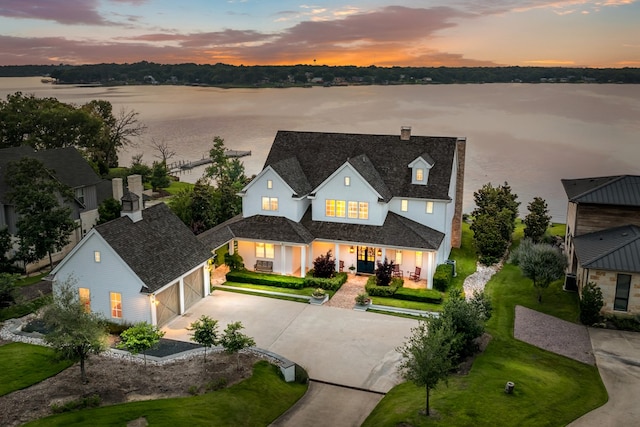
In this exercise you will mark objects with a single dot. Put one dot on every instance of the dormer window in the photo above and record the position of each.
(420, 169)
(404, 205)
(419, 174)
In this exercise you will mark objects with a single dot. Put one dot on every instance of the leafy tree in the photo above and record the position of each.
(494, 221)
(6, 263)
(109, 210)
(590, 304)
(384, 272)
(539, 262)
(138, 167)
(8, 286)
(324, 266)
(139, 338)
(75, 333)
(426, 359)
(44, 225)
(537, 221)
(159, 176)
(233, 340)
(205, 332)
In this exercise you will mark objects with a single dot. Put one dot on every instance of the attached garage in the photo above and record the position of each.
(168, 304)
(193, 288)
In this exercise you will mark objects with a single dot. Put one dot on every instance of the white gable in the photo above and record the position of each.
(269, 194)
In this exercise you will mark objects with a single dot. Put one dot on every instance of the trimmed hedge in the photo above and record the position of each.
(420, 295)
(442, 277)
(244, 276)
(332, 284)
(383, 291)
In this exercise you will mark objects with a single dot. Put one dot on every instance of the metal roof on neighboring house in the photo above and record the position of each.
(621, 190)
(614, 249)
(159, 248)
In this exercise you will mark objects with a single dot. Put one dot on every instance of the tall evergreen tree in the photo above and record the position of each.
(537, 220)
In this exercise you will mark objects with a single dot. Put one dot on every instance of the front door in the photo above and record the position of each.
(366, 259)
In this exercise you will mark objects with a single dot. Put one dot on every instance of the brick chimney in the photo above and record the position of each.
(117, 188)
(456, 226)
(405, 133)
(134, 183)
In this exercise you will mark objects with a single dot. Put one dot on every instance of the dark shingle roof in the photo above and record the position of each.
(159, 248)
(68, 164)
(615, 249)
(257, 227)
(623, 190)
(366, 169)
(396, 231)
(291, 171)
(321, 154)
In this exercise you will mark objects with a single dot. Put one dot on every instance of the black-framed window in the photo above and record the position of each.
(623, 285)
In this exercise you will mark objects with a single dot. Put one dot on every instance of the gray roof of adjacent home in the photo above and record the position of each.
(320, 154)
(159, 248)
(68, 165)
(257, 227)
(396, 231)
(614, 249)
(622, 190)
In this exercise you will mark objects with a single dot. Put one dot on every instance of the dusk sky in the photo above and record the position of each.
(571, 33)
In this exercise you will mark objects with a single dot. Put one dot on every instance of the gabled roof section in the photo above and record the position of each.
(615, 249)
(622, 190)
(159, 248)
(365, 168)
(321, 154)
(68, 164)
(257, 227)
(292, 173)
(424, 157)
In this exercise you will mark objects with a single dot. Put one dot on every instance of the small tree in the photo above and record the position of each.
(324, 266)
(159, 176)
(537, 221)
(233, 340)
(205, 332)
(426, 359)
(539, 262)
(75, 333)
(384, 272)
(139, 338)
(8, 285)
(590, 304)
(108, 210)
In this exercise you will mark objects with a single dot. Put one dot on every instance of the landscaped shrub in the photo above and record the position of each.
(420, 295)
(234, 261)
(590, 304)
(92, 401)
(442, 277)
(383, 291)
(384, 272)
(332, 284)
(324, 266)
(251, 277)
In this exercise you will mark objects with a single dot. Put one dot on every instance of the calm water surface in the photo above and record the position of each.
(528, 135)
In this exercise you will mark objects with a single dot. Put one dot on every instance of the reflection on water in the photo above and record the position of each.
(528, 135)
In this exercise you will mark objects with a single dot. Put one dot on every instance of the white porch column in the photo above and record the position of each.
(230, 245)
(181, 288)
(336, 256)
(207, 278)
(384, 254)
(303, 260)
(283, 259)
(431, 260)
(153, 307)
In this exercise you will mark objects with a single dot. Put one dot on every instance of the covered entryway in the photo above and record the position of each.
(168, 304)
(366, 259)
(193, 288)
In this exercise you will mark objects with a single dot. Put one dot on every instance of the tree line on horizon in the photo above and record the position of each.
(291, 75)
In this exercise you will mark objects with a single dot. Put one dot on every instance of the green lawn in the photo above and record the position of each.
(26, 281)
(551, 390)
(257, 401)
(22, 365)
(249, 288)
(176, 186)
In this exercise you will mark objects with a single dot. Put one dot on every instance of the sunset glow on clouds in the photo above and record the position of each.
(592, 33)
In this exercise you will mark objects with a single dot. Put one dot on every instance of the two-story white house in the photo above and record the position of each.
(364, 197)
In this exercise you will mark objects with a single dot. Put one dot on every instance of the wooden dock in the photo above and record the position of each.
(184, 165)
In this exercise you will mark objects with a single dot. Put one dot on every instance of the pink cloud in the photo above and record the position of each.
(62, 11)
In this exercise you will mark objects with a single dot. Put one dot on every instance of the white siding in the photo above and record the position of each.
(288, 207)
(101, 278)
(358, 191)
(418, 212)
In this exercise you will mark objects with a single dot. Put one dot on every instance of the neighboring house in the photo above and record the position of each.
(602, 240)
(364, 197)
(71, 169)
(144, 266)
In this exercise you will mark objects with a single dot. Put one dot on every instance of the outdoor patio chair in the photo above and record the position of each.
(396, 271)
(341, 266)
(415, 276)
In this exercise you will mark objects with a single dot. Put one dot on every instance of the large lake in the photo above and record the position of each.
(528, 135)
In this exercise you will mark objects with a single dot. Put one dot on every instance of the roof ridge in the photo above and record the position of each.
(613, 178)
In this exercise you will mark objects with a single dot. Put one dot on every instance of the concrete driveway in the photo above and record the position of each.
(618, 359)
(337, 346)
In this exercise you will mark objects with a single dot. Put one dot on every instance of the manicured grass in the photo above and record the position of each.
(19, 310)
(177, 186)
(551, 390)
(22, 365)
(249, 288)
(257, 401)
(392, 302)
(31, 279)
(465, 257)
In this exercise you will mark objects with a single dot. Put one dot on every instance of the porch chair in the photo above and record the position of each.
(415, 276)
(396, 271)
(341, 268)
